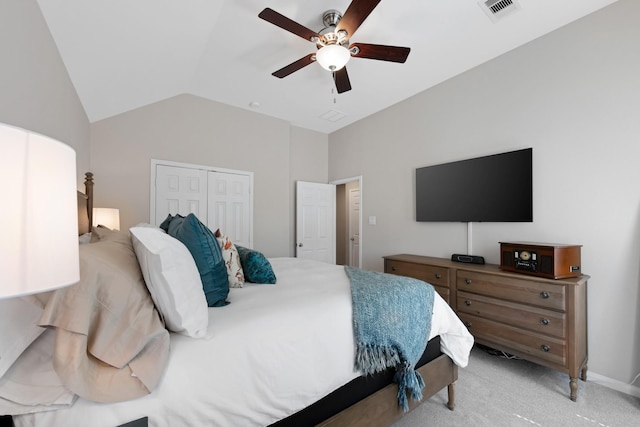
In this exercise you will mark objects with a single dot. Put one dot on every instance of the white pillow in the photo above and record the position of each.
(173, 280)
(18, 329)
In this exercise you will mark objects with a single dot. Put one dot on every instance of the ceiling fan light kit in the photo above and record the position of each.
(332, 42)
(333, 57)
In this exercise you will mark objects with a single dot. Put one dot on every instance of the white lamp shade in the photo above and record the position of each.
(108, 217)
(39, 243)
(333, 57)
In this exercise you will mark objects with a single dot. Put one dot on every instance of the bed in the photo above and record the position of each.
(280, 354)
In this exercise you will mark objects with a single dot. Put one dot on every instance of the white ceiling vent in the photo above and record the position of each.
(333, 115)
(498, 9)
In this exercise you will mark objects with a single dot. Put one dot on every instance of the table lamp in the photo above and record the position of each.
(39, 243)
(109, 217)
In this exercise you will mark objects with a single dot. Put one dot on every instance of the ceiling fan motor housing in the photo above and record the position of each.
(331, 18)
(328, 34)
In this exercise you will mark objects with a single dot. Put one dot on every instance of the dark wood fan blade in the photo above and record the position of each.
(285, 23)
(341, 79)
(381, 52)
(355, 15)
(295, 66)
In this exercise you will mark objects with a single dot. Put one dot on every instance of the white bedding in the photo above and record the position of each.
(267, 355)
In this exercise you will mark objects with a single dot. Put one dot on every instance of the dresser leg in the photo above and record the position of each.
(573, 385)
(452, 398)
(583, 373)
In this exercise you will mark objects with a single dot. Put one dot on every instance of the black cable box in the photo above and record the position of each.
(471, 259)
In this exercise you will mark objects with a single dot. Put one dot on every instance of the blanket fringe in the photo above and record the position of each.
(375, 358)
(408, 380)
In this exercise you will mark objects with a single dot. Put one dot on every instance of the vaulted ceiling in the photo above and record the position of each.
(124, 54)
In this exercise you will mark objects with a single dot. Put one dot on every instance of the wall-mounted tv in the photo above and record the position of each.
(495, 188)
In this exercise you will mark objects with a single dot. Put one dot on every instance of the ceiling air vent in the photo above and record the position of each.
(333, 116)
(498, 9)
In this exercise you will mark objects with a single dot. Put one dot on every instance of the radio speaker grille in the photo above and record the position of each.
(507, 258)
(546, 264)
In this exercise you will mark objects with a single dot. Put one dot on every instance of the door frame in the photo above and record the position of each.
(351, 260)
(359, 180)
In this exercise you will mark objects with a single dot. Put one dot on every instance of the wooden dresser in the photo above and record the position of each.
(537, 319)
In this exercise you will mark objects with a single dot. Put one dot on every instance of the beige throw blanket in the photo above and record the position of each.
(110, 343)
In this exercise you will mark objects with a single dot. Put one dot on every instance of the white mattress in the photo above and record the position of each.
(271, 352)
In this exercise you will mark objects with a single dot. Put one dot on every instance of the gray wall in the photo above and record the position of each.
(572, 95)
(194, 130)
(35, 90)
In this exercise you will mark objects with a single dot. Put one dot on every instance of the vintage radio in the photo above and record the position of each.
(550, 260)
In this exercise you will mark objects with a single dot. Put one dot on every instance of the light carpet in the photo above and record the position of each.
(495, 391)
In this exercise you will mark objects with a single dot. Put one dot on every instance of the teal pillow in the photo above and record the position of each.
(256, 266)
(206, 253)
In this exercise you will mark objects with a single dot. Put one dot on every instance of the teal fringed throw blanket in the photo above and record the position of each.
(391, 323)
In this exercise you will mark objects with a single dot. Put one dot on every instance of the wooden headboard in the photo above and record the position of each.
(85, 205)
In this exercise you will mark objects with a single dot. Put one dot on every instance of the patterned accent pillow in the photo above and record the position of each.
(206, 253)
(231, 260)
(256, 266)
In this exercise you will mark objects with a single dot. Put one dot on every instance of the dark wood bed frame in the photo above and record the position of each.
(364, 402)
(381, 407)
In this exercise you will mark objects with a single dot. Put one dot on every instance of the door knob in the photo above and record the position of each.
(299, 245)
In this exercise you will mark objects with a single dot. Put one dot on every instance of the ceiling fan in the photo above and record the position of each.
(332, 42)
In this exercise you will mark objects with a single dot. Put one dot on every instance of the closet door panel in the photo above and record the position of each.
(180, 191)
(229, 206)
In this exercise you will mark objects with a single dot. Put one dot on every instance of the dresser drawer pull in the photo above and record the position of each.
(467, 324)
(393, 268)
(545, 348)
(544, 321)
(467, 281)
(467, 303)
(438, 276)
(544, 295)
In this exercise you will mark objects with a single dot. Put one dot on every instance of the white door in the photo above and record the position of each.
(354, 227)
(179, 191)
(229, 206)
(316, 221)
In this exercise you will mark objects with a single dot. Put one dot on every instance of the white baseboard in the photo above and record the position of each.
(614, 384)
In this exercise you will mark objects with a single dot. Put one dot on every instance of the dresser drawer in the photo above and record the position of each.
(444, 293)
(516, 340)
(437, 276)
(535, 319)
(539, 293)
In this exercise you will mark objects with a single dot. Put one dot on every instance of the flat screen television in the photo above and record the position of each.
(495, 188)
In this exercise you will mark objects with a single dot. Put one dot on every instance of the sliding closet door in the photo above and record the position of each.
(229, 206)
(179, 190)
